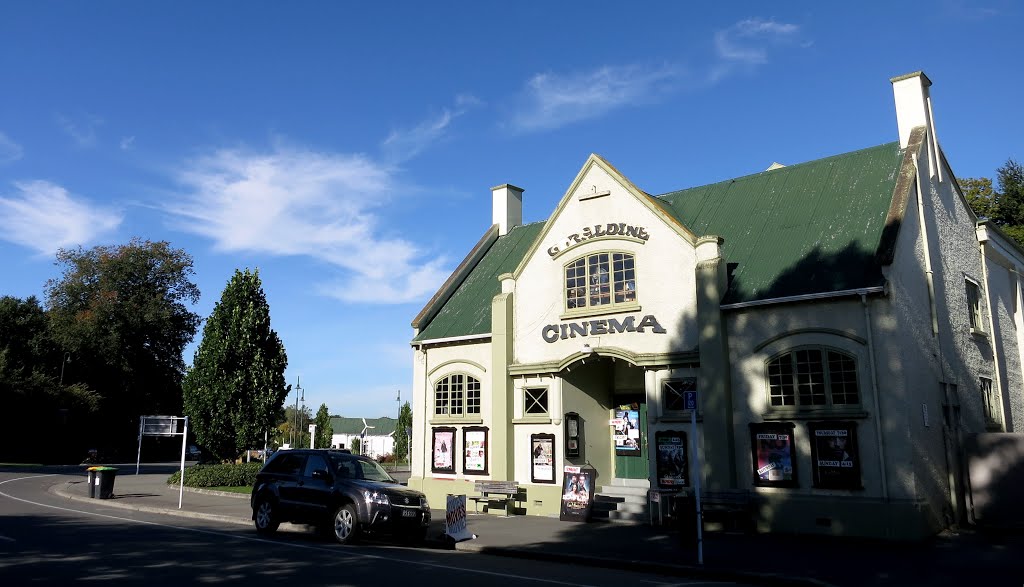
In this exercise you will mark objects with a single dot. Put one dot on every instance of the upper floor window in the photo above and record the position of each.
(974, 306)
(812, 377)
(535, 401)
(672, 393)
(600, 279)
(457, 395)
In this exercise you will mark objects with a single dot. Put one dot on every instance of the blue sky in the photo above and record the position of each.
(347, 149)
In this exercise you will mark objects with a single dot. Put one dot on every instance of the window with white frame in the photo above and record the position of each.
(974, 306)
(600, 279)
(813, 377)
(989, 405)
(535, 401)
(672, 393)
(456, 395)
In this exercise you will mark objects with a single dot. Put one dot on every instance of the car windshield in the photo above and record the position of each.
(353, 468)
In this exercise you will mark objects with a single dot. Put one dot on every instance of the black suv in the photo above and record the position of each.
(342, 493)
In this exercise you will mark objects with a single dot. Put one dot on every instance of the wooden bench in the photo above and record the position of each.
(505, 492)
(732, 508)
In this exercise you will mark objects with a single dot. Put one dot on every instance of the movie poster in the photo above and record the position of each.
(577, 494)
(474, 450)
(542, 458)
(672, 466)
(626, 433)
(444, 450)
(772, 449)
(835, 459)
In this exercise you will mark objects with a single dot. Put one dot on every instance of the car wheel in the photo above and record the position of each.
(345, 524)
(265, 521)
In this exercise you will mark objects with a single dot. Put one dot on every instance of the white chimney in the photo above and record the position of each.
(507, 207)
(914, 108)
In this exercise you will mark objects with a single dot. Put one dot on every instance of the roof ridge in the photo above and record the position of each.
(781, 170)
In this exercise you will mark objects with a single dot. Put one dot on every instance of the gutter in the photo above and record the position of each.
(880, 289)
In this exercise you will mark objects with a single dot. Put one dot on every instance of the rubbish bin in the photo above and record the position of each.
(684, 509)
(92, 481)
(105, 482)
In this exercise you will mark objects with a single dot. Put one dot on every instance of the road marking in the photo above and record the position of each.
(278, 544)
(7, 539)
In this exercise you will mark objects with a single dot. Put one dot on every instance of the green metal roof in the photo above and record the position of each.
(381, 426)
(468, 311)
(804, 229)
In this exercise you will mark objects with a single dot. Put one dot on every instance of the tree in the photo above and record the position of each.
(401, 440)
(324, 433)
(235, 388)
(980, 195)
(287, 423)
(121, 312)
(31, 389)
(357, 446)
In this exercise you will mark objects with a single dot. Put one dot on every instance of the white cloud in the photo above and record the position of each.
(299, 202)
(556, 100)
(9, 150)
(45, 217)
(82, 131)
(127, 143)
(402, 145)
(746, 43)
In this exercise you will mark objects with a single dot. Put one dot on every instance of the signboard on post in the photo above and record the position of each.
(164, 426)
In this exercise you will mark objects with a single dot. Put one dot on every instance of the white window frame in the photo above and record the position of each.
(975, 310)
(469, 385)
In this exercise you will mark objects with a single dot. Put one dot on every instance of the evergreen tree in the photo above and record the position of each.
(235, 388)
(401, 440)
(324, 434)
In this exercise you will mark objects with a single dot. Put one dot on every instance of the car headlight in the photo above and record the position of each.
(377, 497)
(423, 503)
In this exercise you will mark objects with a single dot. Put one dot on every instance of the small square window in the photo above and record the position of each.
(672, 393)
(535, 401)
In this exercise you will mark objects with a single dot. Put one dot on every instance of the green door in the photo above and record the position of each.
(633, 466)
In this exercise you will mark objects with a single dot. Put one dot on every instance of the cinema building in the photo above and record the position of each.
(848, 325)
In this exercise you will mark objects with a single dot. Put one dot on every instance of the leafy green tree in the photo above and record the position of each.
(980, 195)
(324, 433)
(1010, 179)
(401, 440)
(30, 384)
(288, 423)
(357, 446)
(121, 312)
(235, 388)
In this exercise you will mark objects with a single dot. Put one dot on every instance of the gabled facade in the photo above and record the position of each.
(376, 435)
(835, 319)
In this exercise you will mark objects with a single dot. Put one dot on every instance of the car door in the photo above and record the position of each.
(286, 474)
(314, 488)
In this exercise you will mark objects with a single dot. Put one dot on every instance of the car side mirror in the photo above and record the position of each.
(322, 474)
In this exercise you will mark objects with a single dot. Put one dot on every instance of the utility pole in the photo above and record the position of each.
(295, 416)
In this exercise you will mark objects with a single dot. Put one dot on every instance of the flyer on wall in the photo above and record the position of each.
(834, 455)
(626, 424)
(577, 494)
(772, 447)
(542, 463)
(444, 447)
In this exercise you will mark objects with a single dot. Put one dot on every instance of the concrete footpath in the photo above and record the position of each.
(966, 557)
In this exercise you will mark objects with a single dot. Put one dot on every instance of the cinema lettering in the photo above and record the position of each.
(599, 230)
(553, 332)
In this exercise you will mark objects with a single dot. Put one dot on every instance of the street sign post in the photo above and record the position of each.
(690, 403)
(164, 426)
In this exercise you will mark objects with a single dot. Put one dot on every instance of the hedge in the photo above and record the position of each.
(218, 475)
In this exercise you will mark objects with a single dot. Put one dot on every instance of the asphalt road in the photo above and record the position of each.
(45, 539)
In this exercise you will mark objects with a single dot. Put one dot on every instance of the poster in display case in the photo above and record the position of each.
(443, 449)
(672, 468)
(474, 450)
(542, 458)
(835, 456)
(771, 446)
(626, 431)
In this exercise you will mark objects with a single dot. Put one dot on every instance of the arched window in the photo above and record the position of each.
(600, 279)
(456, 395)
(812, 377)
